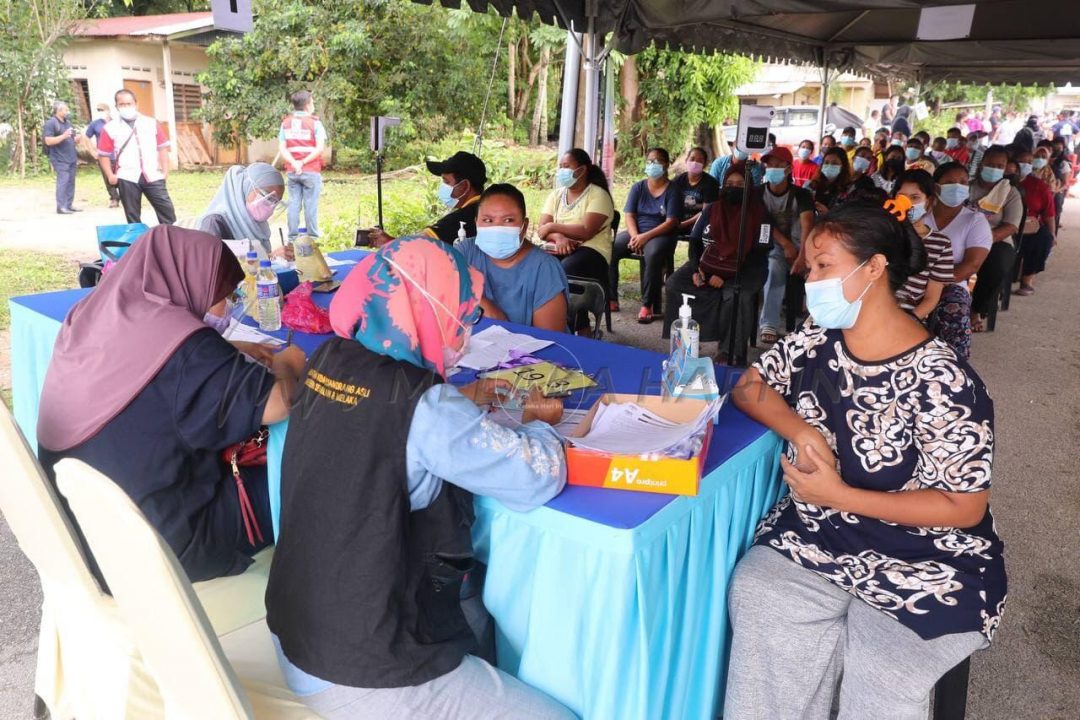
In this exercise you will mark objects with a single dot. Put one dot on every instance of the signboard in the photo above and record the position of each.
(752, 135)
(232, 15)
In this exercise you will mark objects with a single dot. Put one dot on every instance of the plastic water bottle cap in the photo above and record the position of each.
(264, 263)
(252, 255)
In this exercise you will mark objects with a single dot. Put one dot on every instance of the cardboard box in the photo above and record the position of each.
(669, 476)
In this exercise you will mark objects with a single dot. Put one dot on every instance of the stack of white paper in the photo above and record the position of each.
(494, 345)
(512, 419)
(630, 429)
(239, 332)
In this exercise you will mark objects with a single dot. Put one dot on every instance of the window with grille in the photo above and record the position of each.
(186, 100)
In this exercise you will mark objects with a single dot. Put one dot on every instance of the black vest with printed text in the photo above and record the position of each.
(363, 592)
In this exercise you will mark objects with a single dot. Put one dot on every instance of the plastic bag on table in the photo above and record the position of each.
(302, 314)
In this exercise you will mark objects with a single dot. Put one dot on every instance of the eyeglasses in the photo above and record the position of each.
(268, 197)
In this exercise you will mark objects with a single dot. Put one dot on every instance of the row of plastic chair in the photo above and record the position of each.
(158, 646)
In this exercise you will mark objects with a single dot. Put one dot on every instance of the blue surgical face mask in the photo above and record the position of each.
(1025, 169)
(991, 174)
(860, 164)
(740, 155)
(1039, 163)
(847, 141)
(827, 305)
(654, 170)
(830, 171)
(897, 142)
(917, 211)
(775, 175)
(446, 194)
(565, 177)
(952, 143)
(954, 194)
(913, 154)
(804, 153)
(498, 241)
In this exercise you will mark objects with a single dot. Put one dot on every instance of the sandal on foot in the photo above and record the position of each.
(645, 316)
(769, 336)
(1024, 290)
(978, 323)
(613, 306)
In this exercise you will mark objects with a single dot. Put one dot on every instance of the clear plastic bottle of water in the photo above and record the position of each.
(268, 298)
(247, 290)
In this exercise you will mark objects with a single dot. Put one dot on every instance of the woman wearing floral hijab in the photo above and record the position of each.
(380, 464)
(143, 387)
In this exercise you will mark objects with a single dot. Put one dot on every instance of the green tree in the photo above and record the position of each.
(679, 92)
(33, 34)
(428, 65)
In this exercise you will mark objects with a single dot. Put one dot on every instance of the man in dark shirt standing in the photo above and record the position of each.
(463, 178)
(93, 131)
(59, 139)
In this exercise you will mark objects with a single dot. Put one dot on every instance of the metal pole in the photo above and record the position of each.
(568, 116)
(592, 88)
(738, 266)
(824, 92)
(378, 182)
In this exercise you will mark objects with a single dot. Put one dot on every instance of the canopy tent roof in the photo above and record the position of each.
(1008, 41)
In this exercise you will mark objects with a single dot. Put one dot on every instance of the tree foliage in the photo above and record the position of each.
(1010, 97)
(680, 91)
(33, 34)
(427, 64)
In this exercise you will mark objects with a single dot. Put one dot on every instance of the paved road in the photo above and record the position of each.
(1032, 367)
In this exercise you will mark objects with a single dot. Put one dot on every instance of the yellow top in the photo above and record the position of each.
(592, 200)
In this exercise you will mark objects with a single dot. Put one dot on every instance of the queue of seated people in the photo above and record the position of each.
(156, 414)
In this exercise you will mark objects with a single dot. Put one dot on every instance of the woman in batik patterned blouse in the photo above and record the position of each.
(882, 563)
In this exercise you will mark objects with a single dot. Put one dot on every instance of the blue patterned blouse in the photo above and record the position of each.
(922, 419)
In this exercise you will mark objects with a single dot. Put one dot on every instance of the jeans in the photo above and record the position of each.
(65, 184)
(659, 254)
(775, 287)
(304, 189)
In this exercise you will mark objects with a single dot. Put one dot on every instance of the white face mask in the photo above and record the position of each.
(128, 112)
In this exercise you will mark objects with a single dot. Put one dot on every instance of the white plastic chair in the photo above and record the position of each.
(169, 624)
(87, 663)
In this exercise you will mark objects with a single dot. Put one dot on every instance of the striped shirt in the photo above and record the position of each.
(939, 267)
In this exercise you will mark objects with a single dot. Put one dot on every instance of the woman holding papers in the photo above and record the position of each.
(882, 564)
(380, 463)
(245, 202)
(143, 387)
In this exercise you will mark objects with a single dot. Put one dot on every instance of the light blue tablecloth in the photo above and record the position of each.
(617, 622)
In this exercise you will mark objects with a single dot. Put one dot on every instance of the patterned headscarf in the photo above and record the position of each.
(382, 303)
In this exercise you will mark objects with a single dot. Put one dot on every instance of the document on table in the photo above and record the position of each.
(552, 379)
(337, 262)
(630, 429)
(239, 332)
(508, 417)
(495, 345)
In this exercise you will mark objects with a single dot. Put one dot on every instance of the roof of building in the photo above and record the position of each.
(144, 25)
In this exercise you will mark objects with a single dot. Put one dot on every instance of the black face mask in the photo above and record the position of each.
(733, 195)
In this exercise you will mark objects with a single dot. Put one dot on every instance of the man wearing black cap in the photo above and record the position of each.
(463, 177)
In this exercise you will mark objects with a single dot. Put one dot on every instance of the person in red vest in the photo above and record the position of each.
(301, 141)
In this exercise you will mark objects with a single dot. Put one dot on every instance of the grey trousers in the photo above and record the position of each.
(474, 691)
(795, 633)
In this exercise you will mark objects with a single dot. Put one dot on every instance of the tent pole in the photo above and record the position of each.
(568, 117)
(824, 93)
(592, 84)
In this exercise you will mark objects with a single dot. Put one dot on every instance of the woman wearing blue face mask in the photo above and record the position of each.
(832, 180)
(651, 219)
(522, 283)
(994, 196)
(922, 291)
(882, 564)
(970, 237)
(575, 223)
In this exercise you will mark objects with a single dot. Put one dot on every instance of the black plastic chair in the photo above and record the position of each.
(589, 296)
(950, 693)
